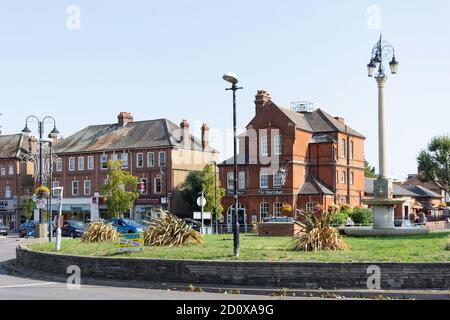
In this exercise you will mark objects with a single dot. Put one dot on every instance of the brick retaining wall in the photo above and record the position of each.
(298, 275)
(278, 229)
(437, 225)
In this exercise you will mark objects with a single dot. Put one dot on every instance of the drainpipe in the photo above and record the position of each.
(348, 168)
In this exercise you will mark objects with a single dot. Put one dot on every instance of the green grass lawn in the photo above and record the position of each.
(425, 248)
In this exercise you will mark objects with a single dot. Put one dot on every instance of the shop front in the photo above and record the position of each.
(147, 209)
(78, 209)
(8, 213)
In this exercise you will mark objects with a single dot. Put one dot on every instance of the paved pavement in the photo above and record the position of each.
(19, 287)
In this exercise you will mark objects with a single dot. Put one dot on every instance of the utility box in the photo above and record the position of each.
(41, 230)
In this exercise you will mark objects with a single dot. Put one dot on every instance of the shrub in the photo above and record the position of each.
(317, 233)
(332, 208)
(99, 231)
(169, 230)
(339, 218)
(362, 216)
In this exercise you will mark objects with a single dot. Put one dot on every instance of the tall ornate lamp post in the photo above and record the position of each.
(41, 141)
(232, 78)
(380, 53)
(383, 202)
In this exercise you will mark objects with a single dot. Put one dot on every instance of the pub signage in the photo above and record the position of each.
(231, 193)
(151, 200)
(271, 192)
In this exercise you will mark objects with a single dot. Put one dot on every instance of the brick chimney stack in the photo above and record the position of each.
(205, 136)
(184, 125)
(124, 118)
(261, 99)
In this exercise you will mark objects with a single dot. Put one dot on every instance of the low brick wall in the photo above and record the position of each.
(299, 275)
(278, 229)
(437, 225)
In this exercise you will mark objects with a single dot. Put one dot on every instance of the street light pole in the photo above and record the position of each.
(53, 133)
(215, 195)
(232, 78)
(381, 52)
(214, 222)
(50, 226)
(41, 173)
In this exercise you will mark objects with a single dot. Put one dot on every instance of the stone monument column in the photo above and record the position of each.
(381, 80)
(383, 201)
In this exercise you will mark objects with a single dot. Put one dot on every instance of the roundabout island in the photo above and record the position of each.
(264, 262)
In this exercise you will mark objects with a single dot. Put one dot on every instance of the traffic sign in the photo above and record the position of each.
(201, 202)
(40, 203)
(206, 216)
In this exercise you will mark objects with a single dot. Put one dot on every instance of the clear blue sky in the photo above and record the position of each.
(166, 58)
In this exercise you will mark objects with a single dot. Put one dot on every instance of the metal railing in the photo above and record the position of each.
(227, 229)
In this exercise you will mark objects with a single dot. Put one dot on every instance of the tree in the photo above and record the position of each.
(196, 181)
(120, 192)
(434, 163)
(369, 171)
(191, 189)
(27, 209)
(208, 188)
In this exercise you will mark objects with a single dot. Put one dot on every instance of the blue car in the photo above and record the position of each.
(26, 229)
(124, 225)
(72, 228)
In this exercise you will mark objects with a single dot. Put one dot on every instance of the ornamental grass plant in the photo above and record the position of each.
(99, 231)
(317, 232)
(169, 230)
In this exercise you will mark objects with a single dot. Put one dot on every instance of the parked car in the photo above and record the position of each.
(404, 224)
(124, 225)
(72, 228)
(26, 229)
(196, 225)
(4, 230)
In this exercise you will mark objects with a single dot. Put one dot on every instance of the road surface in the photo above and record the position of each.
(19, 288)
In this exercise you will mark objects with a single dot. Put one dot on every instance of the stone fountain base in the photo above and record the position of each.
(383, 221)
(391, 232)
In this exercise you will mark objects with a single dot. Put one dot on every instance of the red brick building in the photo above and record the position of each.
(323, 157)
(158, 152)
(16, 180)
(442, 196)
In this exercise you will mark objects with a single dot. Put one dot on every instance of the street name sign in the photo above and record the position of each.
(131, 242)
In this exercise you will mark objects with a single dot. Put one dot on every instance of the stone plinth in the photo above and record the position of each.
(41, 230)
(383, 211)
